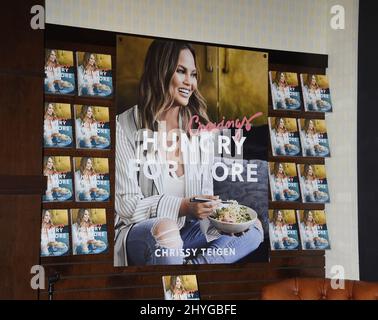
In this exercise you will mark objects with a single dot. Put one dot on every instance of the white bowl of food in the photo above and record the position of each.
(233, 218)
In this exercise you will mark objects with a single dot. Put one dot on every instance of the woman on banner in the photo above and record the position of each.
(154, 211)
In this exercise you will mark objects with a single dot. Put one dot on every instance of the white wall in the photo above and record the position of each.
(342, 125)
(293, 25)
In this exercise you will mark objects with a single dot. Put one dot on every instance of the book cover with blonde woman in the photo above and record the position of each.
(92, 127)
(283, 230)
(89, 231)
(284, 136)
(94, 74)
(59, 72)
(314, 138)
(284, 88)
(92, 179)
(57, 169)
(316, 92)
(283, 180)
(55, 233)
(57, 125)
(313, 229)
(313, 182)
(181, 287)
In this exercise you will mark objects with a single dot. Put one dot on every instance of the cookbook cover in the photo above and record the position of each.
(59, 72)
(180, 287)
(57, 125)
(283, 180)
(285, 92)
(313, 229)
(94, 74)
(92, 179)
(314, 138)
(92, 127)
(283, 230)
(316, 92)
(89, 231)
(313, 182)
(284, 136)
(55, 233)
(58, 171)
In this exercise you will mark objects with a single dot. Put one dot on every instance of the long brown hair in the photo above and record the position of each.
(306, 213)
(309, 79)
(277, 168)
(154, 95)
(87, 56)
(83, 164)
(275, 217)
(54, 116)
(47, 58)
(45, 166)
(277, 124)
(306, 125)
(83, 113)
(277, 78)
(80, 216)
(306, 170)
(172, 284)
(50, 224)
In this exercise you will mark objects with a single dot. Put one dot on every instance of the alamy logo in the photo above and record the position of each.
(38, 280)
(337, 274)
(338, 18)
(38, 20)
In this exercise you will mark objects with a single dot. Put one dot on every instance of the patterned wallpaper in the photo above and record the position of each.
(293, 25)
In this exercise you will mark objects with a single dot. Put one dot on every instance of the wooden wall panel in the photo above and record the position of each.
(82, 280)
(20, 45)
(19, 249)
(94, 277)
(21, 103)
(21, 125)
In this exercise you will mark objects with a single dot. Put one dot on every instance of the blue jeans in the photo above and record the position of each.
(142, 245)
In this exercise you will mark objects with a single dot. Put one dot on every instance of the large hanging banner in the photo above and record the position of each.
(191, 153)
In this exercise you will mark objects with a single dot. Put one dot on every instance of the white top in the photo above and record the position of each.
(279, 139)
(47, 235)
(311, 96)
(311, 186)
(81, 235)
(50, 127)
(85, 132)
(308, 233)
(279, 185)
(53, 74)
(86, 79)
(52, 182)
(309, 141)
(83, 184)
(277, 233)
(280, 95)
(174, 185)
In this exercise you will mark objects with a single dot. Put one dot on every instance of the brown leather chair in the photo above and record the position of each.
(319, 289)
